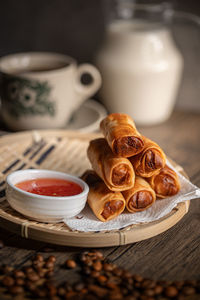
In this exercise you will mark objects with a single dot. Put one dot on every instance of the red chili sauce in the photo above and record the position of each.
(50, 187)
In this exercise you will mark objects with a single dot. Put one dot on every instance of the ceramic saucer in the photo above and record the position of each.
(87, 117)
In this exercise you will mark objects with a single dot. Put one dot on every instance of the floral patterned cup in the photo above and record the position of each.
(42, 90)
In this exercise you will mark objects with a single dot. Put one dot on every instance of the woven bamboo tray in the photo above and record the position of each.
(64, 151)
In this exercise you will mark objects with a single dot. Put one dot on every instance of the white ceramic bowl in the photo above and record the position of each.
(44, 208)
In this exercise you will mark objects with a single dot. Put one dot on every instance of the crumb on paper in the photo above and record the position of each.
(36, 137)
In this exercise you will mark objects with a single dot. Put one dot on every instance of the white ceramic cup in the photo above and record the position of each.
(42, 90)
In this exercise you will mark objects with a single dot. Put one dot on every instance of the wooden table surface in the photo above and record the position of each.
(172, 255)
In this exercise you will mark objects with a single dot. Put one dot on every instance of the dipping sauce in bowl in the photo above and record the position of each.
(50, 187)
(46, 195)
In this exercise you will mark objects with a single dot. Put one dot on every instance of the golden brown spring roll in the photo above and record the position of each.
(140, 197)
(121, 135)
(150, 160)
(117, 172)
(105, 204)
(165, 183)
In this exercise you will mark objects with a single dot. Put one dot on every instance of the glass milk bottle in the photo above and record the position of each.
(140, 64)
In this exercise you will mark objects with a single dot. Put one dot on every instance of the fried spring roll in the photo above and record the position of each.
(165, 183)
(121, 135)
(105, 204)
(150, 160)
(140, 197)
(117, 172)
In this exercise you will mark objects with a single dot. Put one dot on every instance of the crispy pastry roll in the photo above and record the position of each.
(150, 160)
(140, 197)
(117, 172)
(165, 183)
(121, 135)
(105, 204)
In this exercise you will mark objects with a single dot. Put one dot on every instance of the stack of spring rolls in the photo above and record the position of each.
(129, 170)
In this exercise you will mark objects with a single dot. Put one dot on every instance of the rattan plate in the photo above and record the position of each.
(64, 151)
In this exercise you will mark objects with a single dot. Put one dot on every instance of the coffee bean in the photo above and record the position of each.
(40, 282)
(179, 284)
(19, 281)
(16, 290)
(138, 278)
(8, 281)
(115, 296)
(39, 257)
(126, 274)
(28, 270)
(115, 279)
(99, 254)
(117, 271)
(188, 290)
(18, 274)
(87, 271)
(49, 265)
(90, 297)
(180, 297)
(129, 281)
(163, 283)
(94, 274)
(112, 285)
(97, 265)
(5, 269)
(92, 254)
(61, 291)
(144, 297)
(37, 264)
(102, 279)
(48, 249)
(33, 276)
(67, 287)
(107, 267)
(158, 289)
(52, 258)
(41, 272)
(82, 256)
(40, 292)
(190, 282)
(171, 291)
(130, 297)
(31, 285)
(49, 274)
(54, 298)
(146, 283)
(89, 262)
(98, 291)
(149, 292)
(52, 290)
(136, 293)
(137, 284)
(70, 263)
(71, 295)
(79, 286)
(84, 291)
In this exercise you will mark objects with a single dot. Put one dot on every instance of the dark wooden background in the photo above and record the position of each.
(67, 26)
(77, 28)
